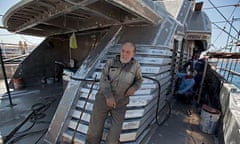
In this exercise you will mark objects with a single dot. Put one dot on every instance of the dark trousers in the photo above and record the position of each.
(185, 98)
(97, 120)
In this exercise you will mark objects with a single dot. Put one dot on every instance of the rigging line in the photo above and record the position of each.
(223, 15)
(235, 19)
(225, 31)
(226, 24)
(236, 61)
(236, 5)
(220, 33)
(228, 61)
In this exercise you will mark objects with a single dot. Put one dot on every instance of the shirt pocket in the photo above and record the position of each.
(113, 73)
(128, 77)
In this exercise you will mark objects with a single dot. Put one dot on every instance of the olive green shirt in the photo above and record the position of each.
(117, 78)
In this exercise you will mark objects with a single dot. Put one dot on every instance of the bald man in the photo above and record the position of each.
(121, 77)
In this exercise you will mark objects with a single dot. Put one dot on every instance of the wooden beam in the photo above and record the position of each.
(224, 55)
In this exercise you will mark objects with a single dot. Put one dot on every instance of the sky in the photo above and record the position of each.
(218, 39)
(7, 37)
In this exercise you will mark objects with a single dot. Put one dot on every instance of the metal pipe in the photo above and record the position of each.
(236, 61)
(202, 81)
(230, 67)
(85, 80)
(84, 107)
(234, 69)
(5, 78)
(227, 62)
(231, 71)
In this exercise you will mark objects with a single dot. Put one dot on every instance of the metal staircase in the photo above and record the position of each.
(142, 106)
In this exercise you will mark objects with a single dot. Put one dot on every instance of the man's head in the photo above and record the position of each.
(127, 52)
(191, 72)
(196, 55)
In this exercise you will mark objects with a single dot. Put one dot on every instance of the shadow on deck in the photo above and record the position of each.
(25, 101)
(182, 127)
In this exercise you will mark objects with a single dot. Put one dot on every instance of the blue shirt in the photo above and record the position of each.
(186, 84)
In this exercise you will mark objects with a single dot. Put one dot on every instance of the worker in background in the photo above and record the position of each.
(184, 91)
(197, 65)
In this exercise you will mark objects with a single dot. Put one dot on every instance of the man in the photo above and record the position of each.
(194, 63)
(185, 88)
(197, 65)
(121, 77)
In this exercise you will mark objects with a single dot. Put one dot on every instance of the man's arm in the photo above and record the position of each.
(105, 81)
(181, 75)
(188, 87)
(138, 78)
(137, 82)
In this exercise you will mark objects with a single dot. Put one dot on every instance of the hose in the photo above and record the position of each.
(158, 110)
(33, 116)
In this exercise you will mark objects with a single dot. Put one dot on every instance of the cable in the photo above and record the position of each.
(167, 104)
(235, 5)
(226, 24)
(37, 113)
(13, 141)
(41, 136)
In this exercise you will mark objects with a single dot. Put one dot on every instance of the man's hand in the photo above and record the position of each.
(130, 91)
(111, 102)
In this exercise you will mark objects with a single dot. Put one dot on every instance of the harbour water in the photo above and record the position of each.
(232, 65)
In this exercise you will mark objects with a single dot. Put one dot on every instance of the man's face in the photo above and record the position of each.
(196, 56)
(127, 53)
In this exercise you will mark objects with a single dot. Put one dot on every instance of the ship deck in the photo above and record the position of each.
(180, 128)
(24, 101)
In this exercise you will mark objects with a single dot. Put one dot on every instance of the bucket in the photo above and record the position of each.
(209, 119)
(18, 83)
